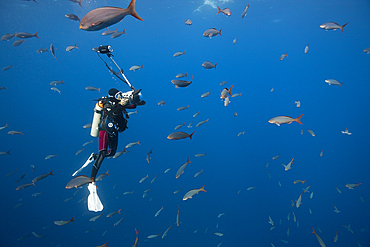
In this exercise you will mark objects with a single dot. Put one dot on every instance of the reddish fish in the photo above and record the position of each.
(100, 18)
(38, 178)
(137, 239)
(78, 181)
(285, 119)
(179, 135)
(63, 222)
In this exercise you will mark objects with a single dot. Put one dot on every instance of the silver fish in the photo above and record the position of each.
(78, 181)
(332, 26)
(90, 88)
(108, 32)
(181, 108)
(52, 50)
(283, 56)
(201, 123)
(7, 36)
(182, 168)
(306, 48)
(333, 82)
(7, 67)
(136, 67)
(117, 34)
(18, 42)
(182, 75)
(55, 83)
(209, 65)
(26, 35)
(100, 18)
(42, 176)
(179, 53)
(182, 83)
(71, 47)
(23, 186)
(55, 89)
(245, 10)
(206, 94)
(117, 223)
(179, 135)
(211, 32)
(63, 222)
(76, 1)
(285, 119)
(95, 217)
(72, 17)
(41, 50)
(225, 11)
(191, 193)
(188, 22)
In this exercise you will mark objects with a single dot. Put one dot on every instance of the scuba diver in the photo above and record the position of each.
(108, 121)
(110, 118)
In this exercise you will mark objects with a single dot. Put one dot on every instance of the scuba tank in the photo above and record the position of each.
(96, 120)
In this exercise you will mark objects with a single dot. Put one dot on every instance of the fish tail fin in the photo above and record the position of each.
(62, 82)
(132, 10)
(304, 181)
(358, 185)
(8, 152)
(79, 3)
(342, 27)
(286, 54)
(191, 77)
(220, 32)
(202, 189)
(188, 161)
(340, 84)
(72, 219)
(99, 90)
(219, 10)
(33, 183)
(215, 65)
(138, 142)
(191, 135)
(21, 133)
(230, 90)
(313, 231)
(249, 4)
(124, 31)
(119, 211)
(36, 35)
(298, 119)
(107, 173)
(51, 173)
(5, 88)
(76, 46)
(142, 66)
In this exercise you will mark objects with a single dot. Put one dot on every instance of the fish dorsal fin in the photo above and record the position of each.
(97, 23)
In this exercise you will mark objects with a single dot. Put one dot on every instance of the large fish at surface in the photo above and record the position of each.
(100, 18)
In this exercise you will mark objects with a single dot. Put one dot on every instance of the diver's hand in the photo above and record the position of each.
(123, 102)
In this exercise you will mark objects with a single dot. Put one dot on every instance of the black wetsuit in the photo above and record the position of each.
(112, 122)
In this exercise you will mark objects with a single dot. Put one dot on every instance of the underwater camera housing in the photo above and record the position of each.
(105, 49)
(132, 97)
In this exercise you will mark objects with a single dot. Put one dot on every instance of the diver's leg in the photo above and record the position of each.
(103, 146)
(113, 143)
(98, 163)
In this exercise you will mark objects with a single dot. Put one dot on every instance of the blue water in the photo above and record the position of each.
(52, 124)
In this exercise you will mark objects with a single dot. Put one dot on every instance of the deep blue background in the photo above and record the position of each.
(52, 123)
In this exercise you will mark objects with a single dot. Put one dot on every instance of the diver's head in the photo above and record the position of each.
(112, 92)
